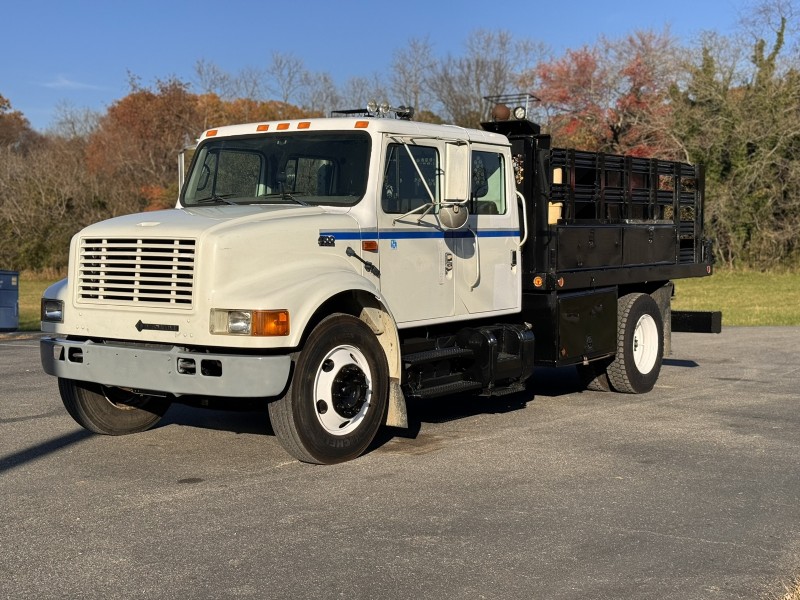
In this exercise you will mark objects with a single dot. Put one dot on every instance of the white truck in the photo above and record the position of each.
(336, 267)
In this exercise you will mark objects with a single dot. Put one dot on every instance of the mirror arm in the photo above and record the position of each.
(426, 208)
(419, 172)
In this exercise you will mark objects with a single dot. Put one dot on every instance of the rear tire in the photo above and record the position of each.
(109, 410)
(640, 345)
(338, 397)
(594, 376)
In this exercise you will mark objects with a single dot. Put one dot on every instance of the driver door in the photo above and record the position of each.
(416, 263)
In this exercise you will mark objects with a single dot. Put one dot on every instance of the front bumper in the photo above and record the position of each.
(166, 369)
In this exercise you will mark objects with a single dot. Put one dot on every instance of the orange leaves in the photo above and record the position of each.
(612, 96)
(157, 197)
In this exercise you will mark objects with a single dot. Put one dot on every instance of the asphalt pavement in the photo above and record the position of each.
(688, 492)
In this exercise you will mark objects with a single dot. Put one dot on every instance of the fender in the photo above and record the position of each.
(309, 290)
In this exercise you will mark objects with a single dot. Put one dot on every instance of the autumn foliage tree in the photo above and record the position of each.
(611, 97)
(732, 105)
(138, 139)
(15, 130)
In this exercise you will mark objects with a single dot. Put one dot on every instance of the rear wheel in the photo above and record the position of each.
(594, 376)
(109, 410)
(337, 398)
(640, 345)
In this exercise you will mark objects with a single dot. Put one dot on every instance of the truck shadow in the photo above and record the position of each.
(244, 416)
(544, 383)
(249, 416)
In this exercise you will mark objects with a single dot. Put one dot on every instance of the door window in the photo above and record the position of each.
(403, 188)
(488, 195)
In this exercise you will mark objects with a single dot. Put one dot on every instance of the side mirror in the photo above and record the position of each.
(453, 215)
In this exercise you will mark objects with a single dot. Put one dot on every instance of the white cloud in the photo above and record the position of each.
(61, 82)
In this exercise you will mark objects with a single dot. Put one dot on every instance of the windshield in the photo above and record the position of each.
(296, 168)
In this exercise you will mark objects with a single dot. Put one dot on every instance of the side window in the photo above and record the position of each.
(402, 189)
(488, 194)
(201, 184)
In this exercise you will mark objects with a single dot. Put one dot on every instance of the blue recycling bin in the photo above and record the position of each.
(9, 300)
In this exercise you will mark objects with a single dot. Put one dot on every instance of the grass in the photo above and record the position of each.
(30, 293)
(744, 297)
(791, 592)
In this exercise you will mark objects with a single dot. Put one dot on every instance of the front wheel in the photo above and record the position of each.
(337, 399)
(109, 410)
(640, 345)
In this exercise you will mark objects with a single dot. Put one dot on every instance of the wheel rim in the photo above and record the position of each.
(342, 390)
(645, 344)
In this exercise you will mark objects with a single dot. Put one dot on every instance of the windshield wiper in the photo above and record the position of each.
(217, 199)
(285, 196)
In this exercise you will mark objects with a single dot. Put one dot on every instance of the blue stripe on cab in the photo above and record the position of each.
(419, 234)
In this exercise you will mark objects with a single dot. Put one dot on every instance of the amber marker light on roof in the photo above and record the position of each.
(211, 133)
(361, 124)
(304, 125)
(282, 126)
(262, 128)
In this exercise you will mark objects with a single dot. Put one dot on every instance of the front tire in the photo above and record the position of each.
(640, 345)
(337, 399)
(109, 410)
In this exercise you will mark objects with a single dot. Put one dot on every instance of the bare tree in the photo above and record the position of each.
(72, 122)
(492, 65)
(319, 94)
(411, 68)
(213, 80)
(358, 91)
(287, 73)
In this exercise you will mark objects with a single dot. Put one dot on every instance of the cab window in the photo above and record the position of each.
(488, 191)
(403, 188)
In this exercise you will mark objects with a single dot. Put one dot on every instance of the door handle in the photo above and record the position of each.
(448, 262)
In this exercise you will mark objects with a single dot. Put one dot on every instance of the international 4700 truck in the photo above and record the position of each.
(337, 267)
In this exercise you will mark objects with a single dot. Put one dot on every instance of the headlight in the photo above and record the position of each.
(52, 310)
(249, 322)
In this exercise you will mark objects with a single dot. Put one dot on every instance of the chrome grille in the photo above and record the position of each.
(147, 271)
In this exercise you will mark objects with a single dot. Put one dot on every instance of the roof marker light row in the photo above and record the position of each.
(286, 126)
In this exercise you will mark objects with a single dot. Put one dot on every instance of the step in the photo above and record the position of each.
(428, 356)
(447, 389)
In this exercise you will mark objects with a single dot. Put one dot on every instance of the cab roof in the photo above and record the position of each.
(371, 125)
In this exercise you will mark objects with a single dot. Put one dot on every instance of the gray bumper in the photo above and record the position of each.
(167, 369)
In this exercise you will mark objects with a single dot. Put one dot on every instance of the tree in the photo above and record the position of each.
(411, 67)
(15, 129)
(611, 97)
(318, 95)
(287, 73)
(358, 91)
(740, 118)
(493, 64)
(137, 141)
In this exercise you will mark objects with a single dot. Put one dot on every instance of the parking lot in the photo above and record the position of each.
(690, 491)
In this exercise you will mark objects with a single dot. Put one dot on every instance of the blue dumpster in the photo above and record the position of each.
(9, 300)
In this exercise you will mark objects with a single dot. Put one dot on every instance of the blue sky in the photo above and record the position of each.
(80, 52)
